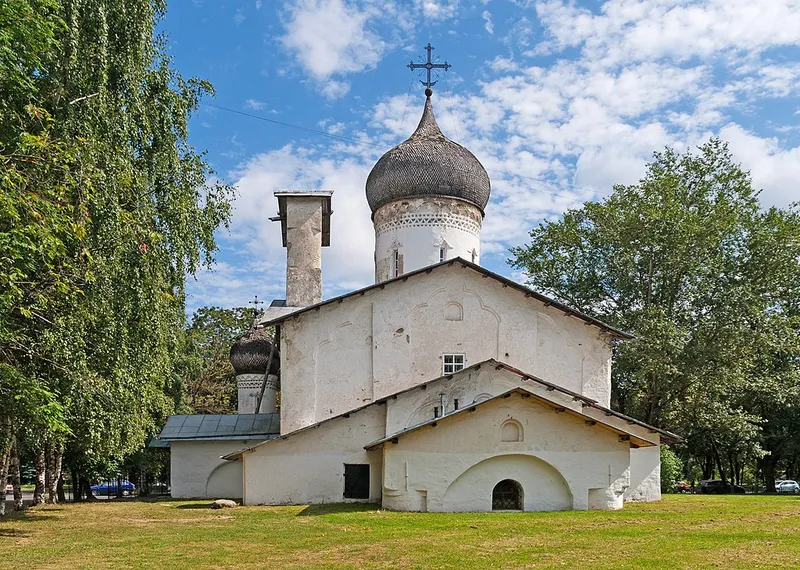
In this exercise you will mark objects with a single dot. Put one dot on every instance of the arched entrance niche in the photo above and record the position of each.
(507, 495)
(543, 487)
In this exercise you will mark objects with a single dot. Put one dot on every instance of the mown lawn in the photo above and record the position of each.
(680, 532)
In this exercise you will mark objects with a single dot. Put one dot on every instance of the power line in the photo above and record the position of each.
(366, 144)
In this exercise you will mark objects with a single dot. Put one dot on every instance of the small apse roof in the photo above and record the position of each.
(666, 436)
(611, 331)
(635, 440)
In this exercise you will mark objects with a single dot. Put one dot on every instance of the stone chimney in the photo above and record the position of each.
(305, 229)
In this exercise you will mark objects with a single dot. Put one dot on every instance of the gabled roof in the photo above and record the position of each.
(611, 331)
(220, 427)
(635, 440)
(666, 437)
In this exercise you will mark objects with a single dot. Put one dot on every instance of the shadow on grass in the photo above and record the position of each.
(13, 533)
(333, 508)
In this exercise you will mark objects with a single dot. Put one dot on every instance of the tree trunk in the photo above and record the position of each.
(54, 455)
(6, 439)
(41, 472)
(14, 475)
(62, 498)
(86, 488)
(768, 468)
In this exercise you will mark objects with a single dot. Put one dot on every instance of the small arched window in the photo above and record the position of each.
(507, 496)
(511, 430)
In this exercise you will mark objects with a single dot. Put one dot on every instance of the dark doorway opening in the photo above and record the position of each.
(507, 496)
(356, 481)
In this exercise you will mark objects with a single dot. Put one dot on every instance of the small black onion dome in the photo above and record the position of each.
(428, 164)
(250, 353)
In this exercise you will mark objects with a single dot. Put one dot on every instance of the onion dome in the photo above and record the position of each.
(250, 353)
(428, 164)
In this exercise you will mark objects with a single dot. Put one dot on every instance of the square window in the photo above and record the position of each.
(453, 363)
(356, 481)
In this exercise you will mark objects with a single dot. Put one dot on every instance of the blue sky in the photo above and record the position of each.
(559, 99)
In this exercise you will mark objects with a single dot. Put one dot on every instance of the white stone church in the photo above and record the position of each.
(442, 387)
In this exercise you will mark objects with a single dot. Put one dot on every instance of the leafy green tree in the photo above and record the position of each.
(707, 280)
(207, 383)
(105, 210)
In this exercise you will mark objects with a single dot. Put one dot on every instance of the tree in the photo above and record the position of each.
(707, 280)
(105, 210)
(207, 382)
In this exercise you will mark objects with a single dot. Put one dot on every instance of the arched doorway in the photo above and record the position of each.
(507, 496)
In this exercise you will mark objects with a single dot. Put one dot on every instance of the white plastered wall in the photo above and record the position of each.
(367, 347)
(308, 467)
(561, 462)
(645, 474)
(196, 470)
(418, 227)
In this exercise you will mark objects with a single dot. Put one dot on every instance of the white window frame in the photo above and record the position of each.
(452, 362)
(396, 263)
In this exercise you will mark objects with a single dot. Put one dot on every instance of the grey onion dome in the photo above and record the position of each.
(250, 353)
(428, 164)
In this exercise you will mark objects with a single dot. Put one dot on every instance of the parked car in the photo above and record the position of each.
(683, 487)
(719, 487)
(787, 487)
(110, 488)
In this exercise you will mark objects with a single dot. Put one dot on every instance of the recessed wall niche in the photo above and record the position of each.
(511, 430)
(453, 312)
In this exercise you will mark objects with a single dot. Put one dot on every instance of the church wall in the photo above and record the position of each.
(326, 364)
(196, 470)
(456, 310)
(308, 467)
(645, 474)
(404, 329)
(559, 461)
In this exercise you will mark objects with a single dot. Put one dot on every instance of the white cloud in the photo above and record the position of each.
(773, 167)
(239, 17)
(636, 30)
(332, 36)
(335, 89)
(433, 10)
(255, 105)
(487, 22)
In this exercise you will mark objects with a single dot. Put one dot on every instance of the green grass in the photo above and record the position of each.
(680, 532)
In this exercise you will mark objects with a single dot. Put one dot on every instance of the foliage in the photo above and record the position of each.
(104, 209)
(708, 282)
(207, 383)
(682, 531)
(671, 470)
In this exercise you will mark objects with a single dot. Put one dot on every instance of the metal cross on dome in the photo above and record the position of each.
(429, 66)
(255, 304)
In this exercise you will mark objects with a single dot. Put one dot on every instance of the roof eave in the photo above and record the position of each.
(607, 329)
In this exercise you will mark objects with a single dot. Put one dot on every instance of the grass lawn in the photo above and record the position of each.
(683, 531)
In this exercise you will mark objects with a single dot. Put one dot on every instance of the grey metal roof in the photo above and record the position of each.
(636, 441)
(235, 426)
(666, 436)
(428, 164)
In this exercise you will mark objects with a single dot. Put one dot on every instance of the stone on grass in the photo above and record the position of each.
(223, 504)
